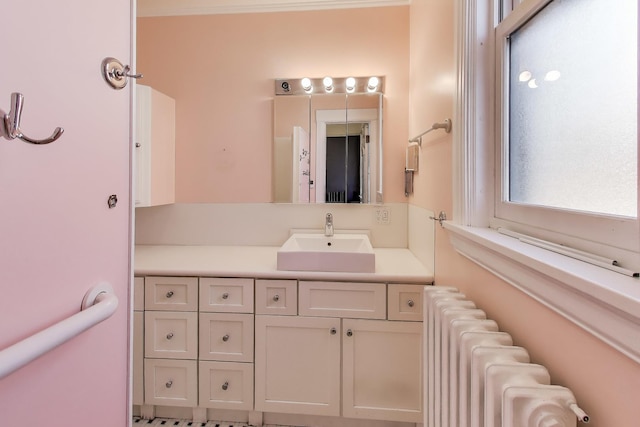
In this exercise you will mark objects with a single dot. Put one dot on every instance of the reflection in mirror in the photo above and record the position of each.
(291, 149)
(327, 147)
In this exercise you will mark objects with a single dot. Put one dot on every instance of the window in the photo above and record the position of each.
(566, 112)
(602, 302)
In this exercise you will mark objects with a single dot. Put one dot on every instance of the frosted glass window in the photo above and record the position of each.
(573, 108)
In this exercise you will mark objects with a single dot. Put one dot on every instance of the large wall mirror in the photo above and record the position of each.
(327, 143)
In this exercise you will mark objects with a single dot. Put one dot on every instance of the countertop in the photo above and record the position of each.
(392, 264)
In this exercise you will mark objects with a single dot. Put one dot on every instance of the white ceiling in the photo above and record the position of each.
(208, 7)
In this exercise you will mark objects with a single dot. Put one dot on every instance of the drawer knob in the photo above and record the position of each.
(410, 303)
(169, 384)
(349, 332)
(333, 331)
(225, 295)
(225, 385)
(170, 335)
(169, 294)
(276, 297)
(226, 338)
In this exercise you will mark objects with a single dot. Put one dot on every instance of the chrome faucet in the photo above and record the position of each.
(328, 225)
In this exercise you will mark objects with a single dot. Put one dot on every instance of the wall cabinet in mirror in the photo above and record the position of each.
(327, 146)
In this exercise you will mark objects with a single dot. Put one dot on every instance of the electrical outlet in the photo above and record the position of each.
(383, 216)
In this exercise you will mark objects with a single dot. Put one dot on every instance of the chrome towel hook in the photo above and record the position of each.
(116, 74)
(10, 127)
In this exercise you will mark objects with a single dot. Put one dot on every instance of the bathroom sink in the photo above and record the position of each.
(316, 252)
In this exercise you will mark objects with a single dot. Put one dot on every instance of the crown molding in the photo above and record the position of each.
(148, 8)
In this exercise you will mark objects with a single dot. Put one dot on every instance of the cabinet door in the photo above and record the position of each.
(226, 385)
(405, 302)
(171, 334)
(278, 297)
(343, 299)
(171, 293)
(226, 336)
(171, 382)
(382, 370)
(226, 295)
(297, 363)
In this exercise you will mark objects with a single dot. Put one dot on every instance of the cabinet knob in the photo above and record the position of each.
(169, 294)
(276, 297)
(225, 338)
(349, 332)
(225, 385)
(333, 331)
(410, 303)
(225, 295)
(170, 335)
(169, 383)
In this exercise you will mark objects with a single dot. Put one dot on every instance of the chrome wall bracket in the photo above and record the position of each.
(116, 74)
(442, 216)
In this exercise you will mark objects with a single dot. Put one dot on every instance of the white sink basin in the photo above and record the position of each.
(315, 252)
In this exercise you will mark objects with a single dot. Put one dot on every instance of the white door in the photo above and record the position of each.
(58, 237)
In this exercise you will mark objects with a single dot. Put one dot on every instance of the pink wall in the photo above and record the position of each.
(224, 90)
(605, 382)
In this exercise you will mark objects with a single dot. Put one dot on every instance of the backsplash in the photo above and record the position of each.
(264, 224)
(269, 224)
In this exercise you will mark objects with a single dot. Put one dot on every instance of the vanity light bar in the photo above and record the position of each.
(308, 86)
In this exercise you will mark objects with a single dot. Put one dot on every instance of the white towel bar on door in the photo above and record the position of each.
(98, 304)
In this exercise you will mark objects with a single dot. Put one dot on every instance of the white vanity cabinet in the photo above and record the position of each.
(341, 356)
(155, 148)
(278, 347)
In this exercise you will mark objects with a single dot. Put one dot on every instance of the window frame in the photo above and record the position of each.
(606, 304)
(615, 235)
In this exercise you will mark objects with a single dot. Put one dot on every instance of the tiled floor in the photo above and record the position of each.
(166, 422)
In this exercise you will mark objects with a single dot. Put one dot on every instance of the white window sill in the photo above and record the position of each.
(604, 303)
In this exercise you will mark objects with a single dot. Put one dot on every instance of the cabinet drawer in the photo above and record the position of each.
(171, 382)
(405, 302)
(171, 334)
(226, 295)
(226, 337)
(277, 297)
(138, 293)
(226, 385)
(337, 299)
(171, 293)
(138, 358)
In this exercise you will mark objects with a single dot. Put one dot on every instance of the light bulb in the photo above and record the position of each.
(328, 84)
(372, 86)
(532, 84)
(350, 84)
(306, 85)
